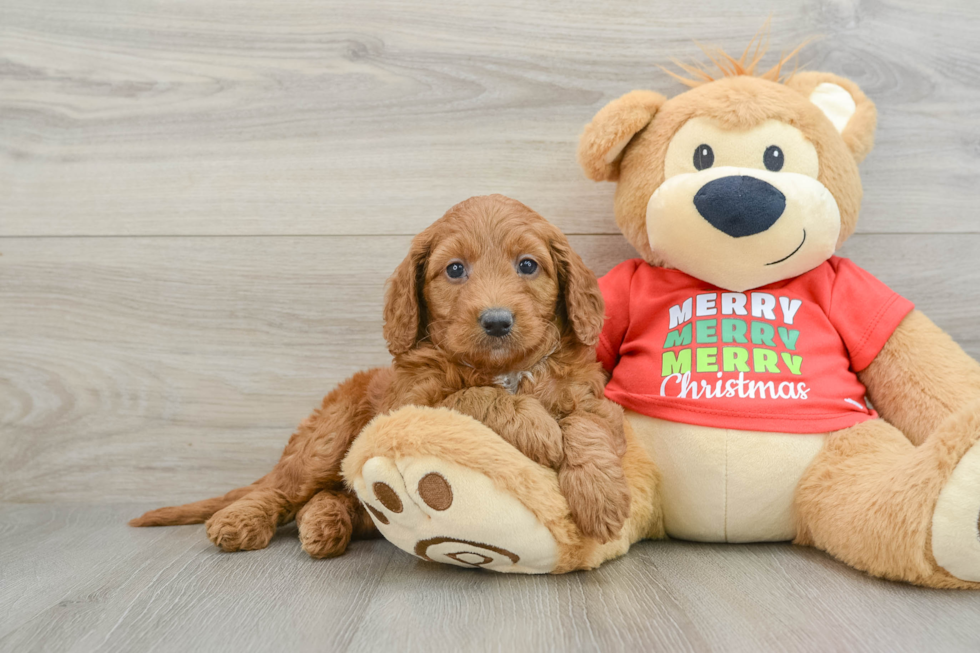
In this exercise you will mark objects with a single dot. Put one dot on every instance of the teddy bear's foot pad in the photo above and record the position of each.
(443, 512)
(955, 531)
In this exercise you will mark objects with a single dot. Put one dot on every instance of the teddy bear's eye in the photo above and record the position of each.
(773, 158)
(704, 156)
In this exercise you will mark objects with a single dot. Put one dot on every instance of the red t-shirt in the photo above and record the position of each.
(781, 358)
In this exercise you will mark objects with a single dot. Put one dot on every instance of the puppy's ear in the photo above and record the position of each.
(850, 111)
(404, 310)
(580, 290)
(601, 147)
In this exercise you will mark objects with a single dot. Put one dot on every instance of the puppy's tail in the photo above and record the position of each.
(190, 513)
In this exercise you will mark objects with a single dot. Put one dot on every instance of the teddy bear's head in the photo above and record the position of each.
(740, 181)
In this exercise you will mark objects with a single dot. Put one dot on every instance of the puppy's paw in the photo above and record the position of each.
(534, 432)
(242, 526)
(325, 529)
(598, 500)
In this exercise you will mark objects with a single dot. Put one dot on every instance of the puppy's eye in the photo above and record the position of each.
(455, 270)
(704, 157)
(527, 266)
(773, 158)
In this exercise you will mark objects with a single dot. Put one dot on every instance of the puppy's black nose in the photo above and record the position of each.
(740, 205)
(497, 321)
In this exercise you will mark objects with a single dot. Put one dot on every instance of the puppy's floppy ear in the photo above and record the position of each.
(404, 310)
(580, 290)
(601, 147)
(850, 111)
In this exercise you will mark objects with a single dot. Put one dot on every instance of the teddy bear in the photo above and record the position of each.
(773, 391)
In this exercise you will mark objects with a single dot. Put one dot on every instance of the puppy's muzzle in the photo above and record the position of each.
(740, 205)
(497, 322)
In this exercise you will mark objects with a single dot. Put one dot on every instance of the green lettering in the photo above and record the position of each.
(792, 362)
(678, 338)
(762, 334)
(733, 330)
(676, 363)
(735, 359)
(706, 331)
(789, 336)
(764, 360)
(707, 359)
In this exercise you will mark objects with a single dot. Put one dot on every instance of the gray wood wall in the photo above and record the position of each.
(200, 201)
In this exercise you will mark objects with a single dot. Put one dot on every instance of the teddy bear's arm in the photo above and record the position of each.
(920, 377)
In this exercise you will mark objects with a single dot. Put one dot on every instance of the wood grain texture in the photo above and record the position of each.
(304, 117)
(199, 203)
(76, 578)
(172, 368)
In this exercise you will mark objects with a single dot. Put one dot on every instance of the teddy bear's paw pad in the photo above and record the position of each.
(955, 531)
(443, 512)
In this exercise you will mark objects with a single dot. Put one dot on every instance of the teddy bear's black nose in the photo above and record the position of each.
(740, 205)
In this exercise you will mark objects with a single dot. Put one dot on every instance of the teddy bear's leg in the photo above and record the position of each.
(874, 500)
(445, 488)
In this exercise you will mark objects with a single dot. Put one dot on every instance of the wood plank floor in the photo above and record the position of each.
(199, 203)
(75, 577)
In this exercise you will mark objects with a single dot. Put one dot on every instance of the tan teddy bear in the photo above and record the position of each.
(742, 349)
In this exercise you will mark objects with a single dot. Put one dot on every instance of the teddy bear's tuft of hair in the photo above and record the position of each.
(746, 65)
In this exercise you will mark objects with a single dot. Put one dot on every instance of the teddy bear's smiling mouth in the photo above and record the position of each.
(791, 253)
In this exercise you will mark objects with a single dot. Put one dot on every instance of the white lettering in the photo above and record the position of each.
(762, 305)
(789, 306)
(761, 386)
(733, 303)
(732, 387)
(710, 392)
(706, 305)
(680, 314)
(787, 390)
(687, 385)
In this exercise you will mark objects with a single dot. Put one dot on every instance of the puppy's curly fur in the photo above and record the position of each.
(538, 386)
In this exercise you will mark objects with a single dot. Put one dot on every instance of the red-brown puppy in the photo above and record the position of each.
(491, 314)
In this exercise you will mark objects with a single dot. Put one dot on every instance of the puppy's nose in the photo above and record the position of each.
(740, 205)
(497, 321)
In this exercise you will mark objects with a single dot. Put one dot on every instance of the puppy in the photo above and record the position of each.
(491, 314)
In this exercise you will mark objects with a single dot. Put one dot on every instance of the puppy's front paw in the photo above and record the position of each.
(599, 500)
(325, 529)
(242, 526)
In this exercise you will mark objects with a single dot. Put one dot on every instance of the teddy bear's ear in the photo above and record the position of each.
(605, 138)
(850, 111)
